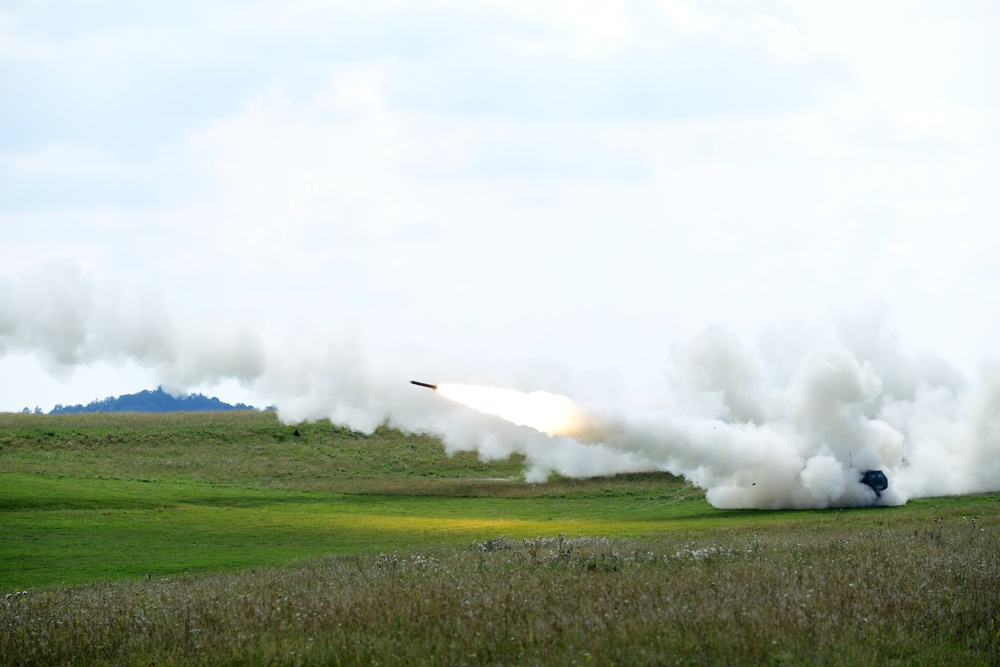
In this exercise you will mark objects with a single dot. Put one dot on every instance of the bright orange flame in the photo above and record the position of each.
(548, 413)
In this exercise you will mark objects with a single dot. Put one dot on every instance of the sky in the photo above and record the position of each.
(221, 196)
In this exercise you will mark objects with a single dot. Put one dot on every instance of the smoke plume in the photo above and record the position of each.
(789, 421)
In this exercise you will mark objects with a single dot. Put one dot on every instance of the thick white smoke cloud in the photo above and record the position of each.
(799, 433)
(791, 421)
(69, 319)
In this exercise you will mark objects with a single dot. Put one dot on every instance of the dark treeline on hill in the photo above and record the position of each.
(151, 401)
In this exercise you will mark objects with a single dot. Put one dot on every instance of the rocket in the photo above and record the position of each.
(424, 384)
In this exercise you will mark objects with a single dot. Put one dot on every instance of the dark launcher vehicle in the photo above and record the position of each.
(876, 481)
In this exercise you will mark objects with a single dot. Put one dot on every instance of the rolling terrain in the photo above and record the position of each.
(229, 537)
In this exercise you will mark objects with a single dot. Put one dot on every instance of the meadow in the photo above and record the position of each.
(229, 538)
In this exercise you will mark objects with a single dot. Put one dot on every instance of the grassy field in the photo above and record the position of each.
(230, 538)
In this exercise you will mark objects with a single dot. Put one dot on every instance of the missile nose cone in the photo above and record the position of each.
(424, 384)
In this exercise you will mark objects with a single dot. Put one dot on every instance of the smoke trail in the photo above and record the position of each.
(790, 422)
(70, 319)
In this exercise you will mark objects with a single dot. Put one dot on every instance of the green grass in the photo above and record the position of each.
(69, 530)
(117, 496)
(58, 531)
(226, 538)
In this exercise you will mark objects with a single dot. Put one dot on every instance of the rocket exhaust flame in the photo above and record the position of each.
(547, 413)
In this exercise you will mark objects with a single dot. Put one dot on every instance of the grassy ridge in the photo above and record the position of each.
(227, 538)
(240, 448)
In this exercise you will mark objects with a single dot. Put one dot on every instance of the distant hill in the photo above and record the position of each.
(152, 401)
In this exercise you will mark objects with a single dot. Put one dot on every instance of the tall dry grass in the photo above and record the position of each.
(913, 594)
